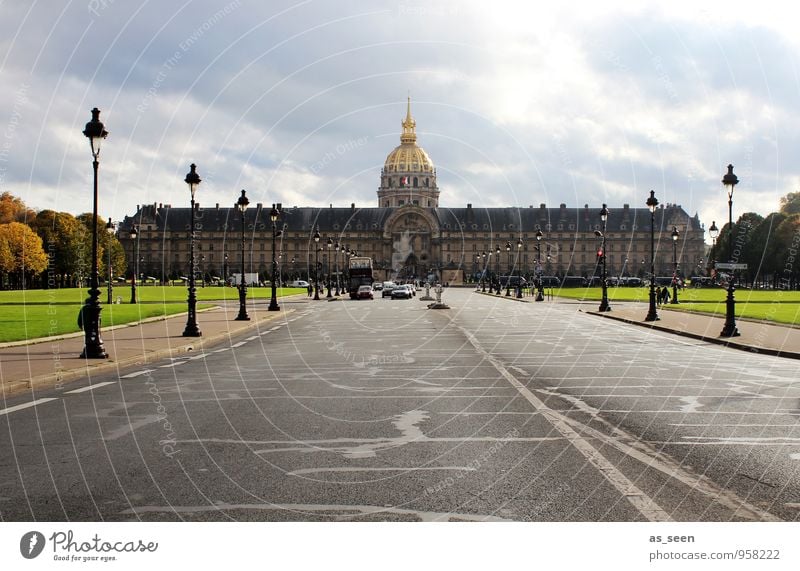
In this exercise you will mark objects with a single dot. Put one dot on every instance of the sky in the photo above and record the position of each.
(299, 102)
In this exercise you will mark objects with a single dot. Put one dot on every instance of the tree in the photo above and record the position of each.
(12, 209)
(25, 246)
(66, 242)
(787, 244)
(790, 204)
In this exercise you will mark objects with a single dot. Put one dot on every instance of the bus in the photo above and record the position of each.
(359, 273)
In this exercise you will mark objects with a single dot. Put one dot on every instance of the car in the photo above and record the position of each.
(388, 287)
(377, 286)
(364, 292)
(401, 292)
(298, 283)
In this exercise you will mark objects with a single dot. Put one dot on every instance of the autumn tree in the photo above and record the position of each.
(790, 204)
(12, 209)
(27, 257)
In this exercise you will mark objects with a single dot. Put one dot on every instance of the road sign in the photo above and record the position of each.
(729, 266)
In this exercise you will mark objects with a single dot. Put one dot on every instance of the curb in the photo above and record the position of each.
(143, 359)
(717, 340)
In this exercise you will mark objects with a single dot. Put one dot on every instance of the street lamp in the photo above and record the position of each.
(540, 281)
(508, 277)
(483, 274)
(316, 265)
(519, 268)
(241, 204)
(652, 203)
(110, 229)
(90, 312)
(134, 233)
(191, 329)
(603, 282)
(273, 300)
(713, 231)
(729, 329)
(328, 267)
(674, 265)
(337, 247)
(202, 270)
(225, 269)
(497, 270)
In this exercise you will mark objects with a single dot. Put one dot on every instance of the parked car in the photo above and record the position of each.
(377, 286)
(298, 283)
(401, 292)
(364, 292)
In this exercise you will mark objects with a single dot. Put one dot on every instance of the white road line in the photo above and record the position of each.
(89, 388)
(136, 374)
(221, 350)
(200, 356)
(252, 338)
(239, 344)
(643, 503)
(175, 364)
(26, 405)
(274, 328)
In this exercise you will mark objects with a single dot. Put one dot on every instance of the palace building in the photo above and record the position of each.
(409, 236)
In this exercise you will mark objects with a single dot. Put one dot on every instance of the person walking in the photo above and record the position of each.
(664, 295)
(310, 290)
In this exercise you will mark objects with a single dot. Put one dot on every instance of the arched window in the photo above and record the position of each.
(426, 183)
(415, 182)
(390, 182)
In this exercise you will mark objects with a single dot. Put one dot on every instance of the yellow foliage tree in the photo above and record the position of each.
(22, 251)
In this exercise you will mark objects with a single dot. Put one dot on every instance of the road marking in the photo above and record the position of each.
(252, 338)
(641, 501)
(221, 350)
(136, 374)
(90, 388)
(26, 405)
(304, 471)
(200, 356)
(239, 344)
(274, 328)
(175, 364)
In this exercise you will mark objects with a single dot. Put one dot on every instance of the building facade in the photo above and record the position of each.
(409, 236)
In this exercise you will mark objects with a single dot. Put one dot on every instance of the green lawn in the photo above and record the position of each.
(19, 322)
(768, 305)
(162, 294)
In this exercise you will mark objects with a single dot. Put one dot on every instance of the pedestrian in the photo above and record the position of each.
(659, 297)
(309, 289)
(664, 295)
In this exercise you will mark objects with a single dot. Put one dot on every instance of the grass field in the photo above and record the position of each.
(31, 314)
(162, 294)
(767, 305)
(21, 322)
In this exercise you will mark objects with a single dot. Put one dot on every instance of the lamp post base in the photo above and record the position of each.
(729, 329)
(192, 330)
(652, 314)
(604, 306)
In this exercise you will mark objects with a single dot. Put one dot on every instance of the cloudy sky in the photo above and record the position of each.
(299, 102)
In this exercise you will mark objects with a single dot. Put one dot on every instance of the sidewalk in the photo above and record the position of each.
(756, 336)
(52, 362)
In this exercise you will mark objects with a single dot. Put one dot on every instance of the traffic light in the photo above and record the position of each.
(600, 252)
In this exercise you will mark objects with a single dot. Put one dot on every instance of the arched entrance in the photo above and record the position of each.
(412, 231)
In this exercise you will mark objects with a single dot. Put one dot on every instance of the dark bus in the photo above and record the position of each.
(360, 273)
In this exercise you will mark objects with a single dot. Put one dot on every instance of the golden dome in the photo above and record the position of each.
(408, 157)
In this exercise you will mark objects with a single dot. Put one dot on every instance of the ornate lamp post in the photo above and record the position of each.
(508, 277)
(674, 265)
(110, 227)
(202, 270)
(519, 267)
(328, 267)
(241, 204)
(225, 268)
(273, 300)
(483, 275)
(316, 265)
(539, 280)
(497, 270)
(713, 231)
(337, 248)
(489, 264)
(191, 329)
(603, 281)
(90, 312)
(652, 203)
(729, 329)
(134, 233)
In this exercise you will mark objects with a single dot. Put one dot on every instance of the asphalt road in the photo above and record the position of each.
(385, 410)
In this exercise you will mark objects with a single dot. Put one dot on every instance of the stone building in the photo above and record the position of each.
(408, 235)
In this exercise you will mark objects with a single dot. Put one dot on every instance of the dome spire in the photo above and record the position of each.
(409, 134)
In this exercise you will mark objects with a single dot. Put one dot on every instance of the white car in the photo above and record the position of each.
(299, 283)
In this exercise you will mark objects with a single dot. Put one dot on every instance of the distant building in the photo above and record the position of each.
(408, 235)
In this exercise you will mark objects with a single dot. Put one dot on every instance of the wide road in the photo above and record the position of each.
(386, 410)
